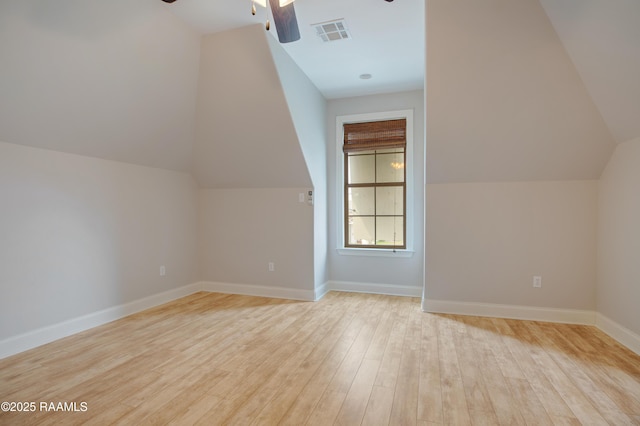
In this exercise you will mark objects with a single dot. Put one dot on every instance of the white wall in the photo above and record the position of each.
(619, 238)
(242, 230)
(80, 234)
(514, 148)
(256, 151)
(486, 241)
(308, 110)
(377, 270)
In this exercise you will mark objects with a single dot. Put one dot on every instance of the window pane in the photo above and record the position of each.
(361, 201)
(361, 230)
(390, 167)
(361, 168)
(390, 230)
(389, 200)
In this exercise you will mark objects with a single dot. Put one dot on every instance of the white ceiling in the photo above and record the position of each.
(387, 40)
(504, 99)
(118, 79)
(603, 40)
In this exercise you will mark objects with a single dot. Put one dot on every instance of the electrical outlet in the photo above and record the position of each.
(163, 271)
(537, 281)
(272, 266)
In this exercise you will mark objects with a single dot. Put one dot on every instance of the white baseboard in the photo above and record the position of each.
(570, 316)
(262, 291)
(620, 333)
(389, 289)
(32, 339)
(41, 336)
(321, 291)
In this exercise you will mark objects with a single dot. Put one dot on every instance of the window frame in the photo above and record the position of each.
(341, 214)
(375, 185)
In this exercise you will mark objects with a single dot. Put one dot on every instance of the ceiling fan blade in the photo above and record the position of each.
(168, 1)
(286, 23)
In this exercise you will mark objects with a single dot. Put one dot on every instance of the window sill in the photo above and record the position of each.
(375, 252)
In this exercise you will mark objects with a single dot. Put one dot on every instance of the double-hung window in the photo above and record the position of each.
(375, 184)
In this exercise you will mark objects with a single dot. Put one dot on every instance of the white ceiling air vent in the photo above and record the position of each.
(332, 30)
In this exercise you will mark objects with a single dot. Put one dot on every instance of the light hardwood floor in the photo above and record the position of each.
(349, 359)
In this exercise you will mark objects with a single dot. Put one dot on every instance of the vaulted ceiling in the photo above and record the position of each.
(504, 100)
(533, 89)
(603, 40)
(245, 136)
(386, 40)
(111, 79)
(529, 90)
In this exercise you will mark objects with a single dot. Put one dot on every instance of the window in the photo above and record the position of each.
(375, 187)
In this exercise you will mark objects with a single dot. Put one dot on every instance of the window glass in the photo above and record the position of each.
(389, 231)
(389, 200)
(390, 167)
(361, 201)
(362, 168)
(361, 230)
(375, 198)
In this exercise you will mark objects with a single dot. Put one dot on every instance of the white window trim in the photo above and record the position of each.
(377, 116)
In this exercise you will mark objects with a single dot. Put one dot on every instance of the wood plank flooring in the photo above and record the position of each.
(349, 359)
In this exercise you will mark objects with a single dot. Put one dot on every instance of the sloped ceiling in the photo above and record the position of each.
(307, 108)
(504, 100)
(603, 41)
(111, 79)
(387, 40)
(245, 136)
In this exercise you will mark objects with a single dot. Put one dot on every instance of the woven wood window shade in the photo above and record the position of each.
(375, 135)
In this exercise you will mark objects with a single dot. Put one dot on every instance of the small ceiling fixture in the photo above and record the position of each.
(365, 76)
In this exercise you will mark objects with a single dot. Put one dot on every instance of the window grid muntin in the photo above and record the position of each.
(374, 185)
